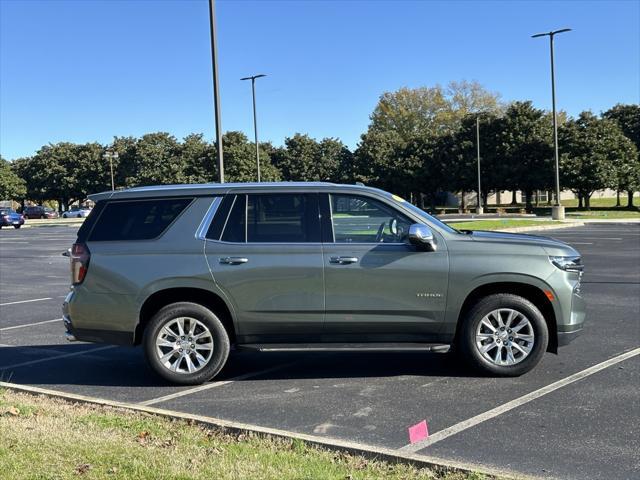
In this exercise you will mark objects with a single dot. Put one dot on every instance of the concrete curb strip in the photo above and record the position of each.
(533, 228)
(365, 450)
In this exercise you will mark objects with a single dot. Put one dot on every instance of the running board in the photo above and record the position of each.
(345, 347)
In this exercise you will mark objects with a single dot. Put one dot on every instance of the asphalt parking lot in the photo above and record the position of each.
(565, 419)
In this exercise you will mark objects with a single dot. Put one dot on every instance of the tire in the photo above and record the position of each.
(42, 217)
(79, 216)
(17, 226)
(64, 215)
(507, 352)
(176, 367)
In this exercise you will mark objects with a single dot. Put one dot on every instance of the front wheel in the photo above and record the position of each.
(504, 335)
(17, 226)
(186, 343)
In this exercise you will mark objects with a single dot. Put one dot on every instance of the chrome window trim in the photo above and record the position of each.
(201, 232)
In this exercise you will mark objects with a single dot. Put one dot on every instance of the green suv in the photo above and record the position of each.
(190, 271)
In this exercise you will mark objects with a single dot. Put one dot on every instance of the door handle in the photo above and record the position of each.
(233, 260)
(343, 260)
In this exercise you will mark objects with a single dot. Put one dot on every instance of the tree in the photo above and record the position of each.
(240, 160)
(305, 159)
(524, 153)
(405, 131)
(157, 160)
(590, 148)
(12, 187)
(628, 119)
(198, 159)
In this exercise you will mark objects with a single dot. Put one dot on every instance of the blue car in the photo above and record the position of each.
(10, 218)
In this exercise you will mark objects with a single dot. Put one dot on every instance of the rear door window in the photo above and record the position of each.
(137, 219)
(273, 218)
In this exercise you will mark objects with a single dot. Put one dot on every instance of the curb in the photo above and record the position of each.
(534, 228)
(369, 451)
(45, 225)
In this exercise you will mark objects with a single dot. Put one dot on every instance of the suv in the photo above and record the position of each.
(38, 211)
(189, 271)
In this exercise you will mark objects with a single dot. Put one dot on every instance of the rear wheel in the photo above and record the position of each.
(186, 343)
(504, 335)
(17, 226)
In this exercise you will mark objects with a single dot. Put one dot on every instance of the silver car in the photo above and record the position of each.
(188, 271)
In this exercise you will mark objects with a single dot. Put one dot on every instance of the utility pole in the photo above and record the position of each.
(557, 211)
(479, 209)
(255, 121)
(111, 156)
(216, 94)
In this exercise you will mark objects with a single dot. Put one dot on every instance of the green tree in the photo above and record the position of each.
(198, 159)
(12, 187)
(405, 131)
(590, 148)
(240, 160)
(305, 159)
(627, 172)
(524, 154)
(157, 160)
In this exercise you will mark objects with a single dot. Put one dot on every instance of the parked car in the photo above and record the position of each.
(38, 211)
(10, 218)
(188, 271)
(76, 212)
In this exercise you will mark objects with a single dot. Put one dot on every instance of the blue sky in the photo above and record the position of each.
(88, 70)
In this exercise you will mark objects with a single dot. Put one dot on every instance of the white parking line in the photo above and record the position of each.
(208, 386)
(56, 357)
(25, 301)
(29, 324)
(494, 412)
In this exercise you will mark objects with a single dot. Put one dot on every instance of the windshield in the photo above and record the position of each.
(425, 215)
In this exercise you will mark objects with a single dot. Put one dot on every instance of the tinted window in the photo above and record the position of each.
(365, 220)
(234, 230)
(283, 218)
(136, 220)
(273, 218)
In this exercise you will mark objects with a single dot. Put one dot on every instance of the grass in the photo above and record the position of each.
(602, 214)
(500, 224)
(600, 202)
(46, 438)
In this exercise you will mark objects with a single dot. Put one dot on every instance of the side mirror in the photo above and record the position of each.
(421, 236)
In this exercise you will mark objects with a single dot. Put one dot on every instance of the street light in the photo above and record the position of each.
(479, 209)
(557, 211)
(111, 156)
(255, 121)
(216, 99)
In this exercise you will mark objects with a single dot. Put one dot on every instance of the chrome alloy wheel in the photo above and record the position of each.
(184, 345)
(505, 337)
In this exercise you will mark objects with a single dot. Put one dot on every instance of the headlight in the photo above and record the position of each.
(571, 263)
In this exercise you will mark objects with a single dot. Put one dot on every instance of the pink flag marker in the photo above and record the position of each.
(418, 432)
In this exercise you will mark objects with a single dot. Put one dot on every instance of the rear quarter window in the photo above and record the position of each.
(136, 219)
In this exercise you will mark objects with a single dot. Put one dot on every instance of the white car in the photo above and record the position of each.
(76, 212)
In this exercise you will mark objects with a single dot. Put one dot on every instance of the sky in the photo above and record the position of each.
(89, 70)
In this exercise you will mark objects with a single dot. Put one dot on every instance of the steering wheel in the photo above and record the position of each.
(380, 232)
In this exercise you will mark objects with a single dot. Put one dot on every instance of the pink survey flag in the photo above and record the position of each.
(418, 432)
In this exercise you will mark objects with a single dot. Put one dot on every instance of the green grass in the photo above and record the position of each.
(45, 438)
(602, 214)
(599, 202)
(500, 224)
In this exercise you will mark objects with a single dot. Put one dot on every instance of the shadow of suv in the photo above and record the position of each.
(189, 271)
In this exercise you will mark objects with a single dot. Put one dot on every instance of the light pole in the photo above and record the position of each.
(479, 209)
(111, 156)
(255, 121)
(216, 95)
(557, 211)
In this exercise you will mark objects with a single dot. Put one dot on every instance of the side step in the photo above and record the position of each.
(345, 347)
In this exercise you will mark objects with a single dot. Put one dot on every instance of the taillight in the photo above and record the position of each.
(80, 256)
